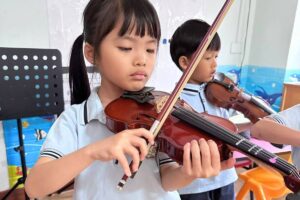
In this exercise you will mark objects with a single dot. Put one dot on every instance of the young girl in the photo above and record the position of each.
(281, 128)
(184, 43)
(121, 40)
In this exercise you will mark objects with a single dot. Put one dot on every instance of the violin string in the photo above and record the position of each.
(244, 144)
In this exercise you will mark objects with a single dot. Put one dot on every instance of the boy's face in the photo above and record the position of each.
(206, 68)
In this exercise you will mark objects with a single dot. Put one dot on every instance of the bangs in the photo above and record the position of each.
(215, 44)
(140, 17)
(100, 18)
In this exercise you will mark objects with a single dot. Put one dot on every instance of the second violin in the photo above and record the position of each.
(223, 92)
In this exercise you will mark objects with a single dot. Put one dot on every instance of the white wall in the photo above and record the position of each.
(24, 24)
(294, 51)
(271, 32)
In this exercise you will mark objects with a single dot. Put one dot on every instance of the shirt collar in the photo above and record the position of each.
(193, 89)
(93, 109)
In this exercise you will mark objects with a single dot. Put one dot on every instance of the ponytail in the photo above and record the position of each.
(78, 77)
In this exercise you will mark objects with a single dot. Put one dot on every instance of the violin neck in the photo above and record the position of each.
(258, 102)
(238, 142)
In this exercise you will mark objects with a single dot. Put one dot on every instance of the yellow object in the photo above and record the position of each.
(264, 183)
(25, 124)
(14, 173)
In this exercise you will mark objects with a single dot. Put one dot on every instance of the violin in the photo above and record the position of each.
(140, 109)
(221, 91)
(174, 133)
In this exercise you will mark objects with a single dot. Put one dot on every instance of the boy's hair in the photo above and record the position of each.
(187, 38)
(99, 19)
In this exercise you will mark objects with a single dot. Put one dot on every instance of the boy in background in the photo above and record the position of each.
(184, 43)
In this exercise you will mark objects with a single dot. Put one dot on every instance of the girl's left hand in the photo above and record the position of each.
(201, 159)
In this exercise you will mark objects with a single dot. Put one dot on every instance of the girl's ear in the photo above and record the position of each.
(89, 52)
(183, 62)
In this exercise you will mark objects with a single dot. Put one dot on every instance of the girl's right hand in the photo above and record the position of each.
(132, 142)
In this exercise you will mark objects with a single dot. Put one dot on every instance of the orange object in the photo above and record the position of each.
(265, 184)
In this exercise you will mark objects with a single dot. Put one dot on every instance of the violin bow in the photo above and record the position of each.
(167, 107)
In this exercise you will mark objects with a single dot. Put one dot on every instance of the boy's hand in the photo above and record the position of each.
(201, 159)
(132, 142)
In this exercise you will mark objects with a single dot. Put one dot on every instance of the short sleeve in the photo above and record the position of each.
(62, 137)
(289, 117)
(163, 159)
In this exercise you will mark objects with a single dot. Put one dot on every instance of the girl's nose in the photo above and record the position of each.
(140, 60)
(140, 63)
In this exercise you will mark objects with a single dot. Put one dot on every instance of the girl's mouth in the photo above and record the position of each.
(139, 75)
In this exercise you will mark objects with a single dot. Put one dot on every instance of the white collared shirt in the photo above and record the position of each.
(194, 95)
(83, 124)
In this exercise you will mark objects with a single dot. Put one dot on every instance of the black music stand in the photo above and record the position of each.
(30, 85)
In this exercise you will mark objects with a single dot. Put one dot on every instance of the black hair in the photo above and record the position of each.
(187, 38)
(99, 19)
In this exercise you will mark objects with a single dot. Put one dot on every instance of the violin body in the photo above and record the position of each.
(174, 134)
(177, 133)
(223, 92)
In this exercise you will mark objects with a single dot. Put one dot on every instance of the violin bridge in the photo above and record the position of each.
(159, 103)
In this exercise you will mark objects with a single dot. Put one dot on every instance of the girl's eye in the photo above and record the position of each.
(125, 48)
(151, 50)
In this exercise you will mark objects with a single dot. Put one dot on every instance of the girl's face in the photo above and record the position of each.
(126, 62)
(206, 68)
